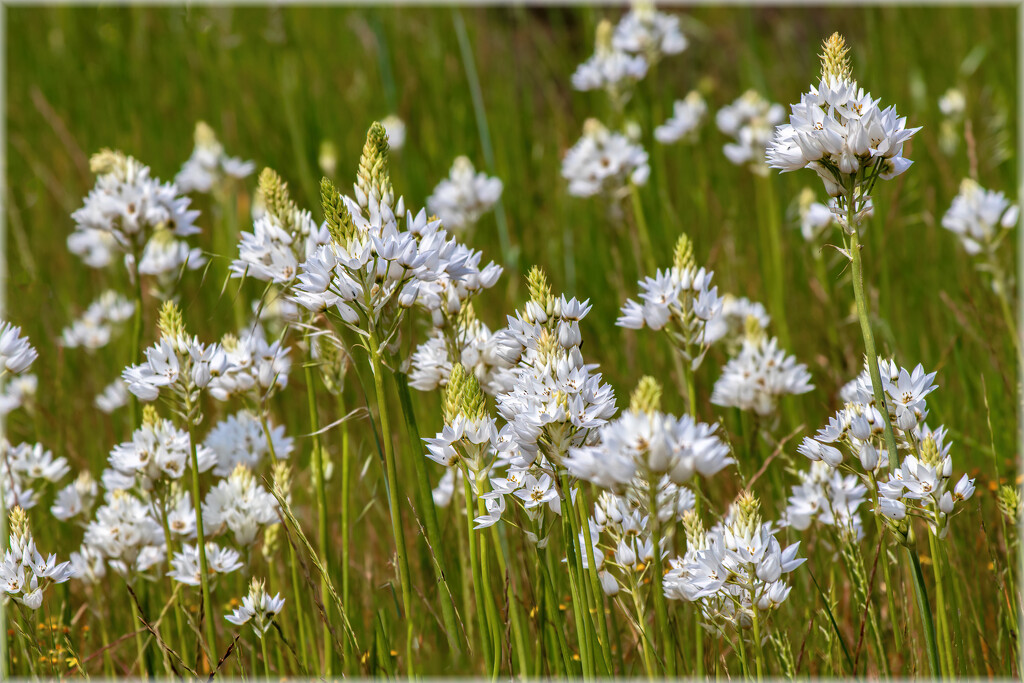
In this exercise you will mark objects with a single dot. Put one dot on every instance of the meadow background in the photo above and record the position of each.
(275, 83)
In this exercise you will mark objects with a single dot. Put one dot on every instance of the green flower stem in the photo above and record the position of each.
(474, 563)
(641, 227)
(595, 583)
(297, 600)
(391, 472)
(921, 594)
(266, 660)
(771, 241)
(197, 500)
(140, 646)
(136, 349)
(641, 622)
(889, 586)
(317, 463)
(178, 610)
(493, 622)
(429, 511)
(346, 501)
(657, 593)
(945, 643)
(758, 650)
(579, 606)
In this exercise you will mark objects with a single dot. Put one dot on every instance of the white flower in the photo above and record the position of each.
(273, 251)
(825, 495)
(462, 198)
(644, 30)
(185, 563)
(125, 531)
(258, 609)
(759, 376)
(94, 328)
(156, 451)
(239, 504)
(750, 120)
(609, 69)
(19, 391)
(953, 104)
(240, 438)
(603, 162)
(76, 498)
(208, 166)
(16, 353)
(113, 396)
(687, 116)
(979, 216)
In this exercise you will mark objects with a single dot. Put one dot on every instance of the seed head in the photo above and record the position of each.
(463, 395)
(682, 257)
(339, 220)
(696, 537)
(646, 398)
(540, 290)
(276, 199)
(835, 61)
(372, 178)
(19, 523)
(170, 324)
(1009, 502)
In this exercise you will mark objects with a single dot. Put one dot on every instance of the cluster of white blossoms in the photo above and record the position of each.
(923, 484)
(185, 565)
(812, 217)
(258, 609)
(840, 132)
(123, 535)
(464, 196)
(825, 495)
(603, 162)
(158, 450)
(24, 573)
(94, 329)
(395, 128)
(209, 167)
(681, 301)
(372, 270)
(610, 69)
(114, 396)
(76, 499)
(762, 373)
(249, 363)
(282, 237)
(239, 504)
(646, 31)
(650, 445)
(239, 439)
(26, 468)
(980, 217)
(750, 121)
(128, 210)
(734, 572)
(478, 351)
(953, 106)
(687, 116)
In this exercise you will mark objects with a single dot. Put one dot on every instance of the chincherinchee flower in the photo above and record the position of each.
(239, 504)
(113, 396)
(464, 196)
(680, 301)
(734, 318)
(760, 375)
(734, 568)
(814, 218)
(16, 353)
(209, 167)
(164, 256)
(980, 217)
(93, 330)
(258, 609)
(649, 444)
(240, 439)
(25, 467)
(249, 364)
(185, 563)
(127, 534)
(395, 128)
(838, 130)
(750, 120)
(282, 237)
(478, 352)
(825, 495)
(24, 572)
(18, 392)
(646, 31)
(125, 209)
(610, 69)
(603, 162)
(75, 499)
(687, 116)
(158, 450)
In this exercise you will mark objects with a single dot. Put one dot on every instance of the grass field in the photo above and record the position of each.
(276, 84)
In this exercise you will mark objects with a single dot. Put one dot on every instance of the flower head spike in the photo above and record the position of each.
(276, 198)
(336, 214)
(372, 180)
(835, 60)
(646, 398)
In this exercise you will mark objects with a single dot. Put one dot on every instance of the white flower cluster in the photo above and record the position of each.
(980, 217)
(274, 249)
(126, 211)
(651, 445)
(838, 130)
(93, 330)
(24, 469)
(258, 609)
(240, 505)
(604, 162)
(827, 496)
(25, 573)
(158, 451)
(239, 439)
(125, 535)
(646, 31)
(687, 116)
(76, 499)
(113, 396)
(680, 300)
(464, 196)
(249, 364)
(185, 565)
(209, 166)
(395, 128)
(759, 375)
(750, 120)
(609, 68)
(478, 352)
(18, 392)
(733, 569)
